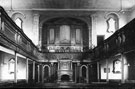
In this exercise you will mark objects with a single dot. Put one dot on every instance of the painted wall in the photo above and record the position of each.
(115, 75)
(130, 63)
(111, 75)
(5, 67)
(100, 24)
(100, 28)
(21, 68)
(30, 23)
(132, 16)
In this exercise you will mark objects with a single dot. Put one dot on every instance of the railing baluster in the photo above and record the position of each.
(12, 34)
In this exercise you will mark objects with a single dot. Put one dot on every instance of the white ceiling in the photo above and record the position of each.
(91, 5)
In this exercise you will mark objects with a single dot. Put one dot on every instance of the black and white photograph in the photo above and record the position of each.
(81, 44)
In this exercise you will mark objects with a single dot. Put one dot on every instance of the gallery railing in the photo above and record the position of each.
(123, 40)
(14, 38)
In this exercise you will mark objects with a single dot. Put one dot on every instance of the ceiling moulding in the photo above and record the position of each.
(42, 9)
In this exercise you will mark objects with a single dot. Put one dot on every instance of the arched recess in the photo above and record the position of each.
(46, 71)
(49, 18)
(86, 20)
(78, 25)
(112, 20)
(84, 73)
(18, 17)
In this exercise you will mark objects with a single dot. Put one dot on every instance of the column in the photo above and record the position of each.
(78, 71)
(38, 73)
(72, 71)
(90, 37)
(52, 71)
(27, 70)
(58, 71)
(122, 68)
(36, 28)
(75, 73)
(94, 34)
(52, 68)
(107, 71)
(58, 65)
(33, 70)
(71, 65)
(98, 73)
(87, 75)
(15, 71)
(40, 36)
(42, 74)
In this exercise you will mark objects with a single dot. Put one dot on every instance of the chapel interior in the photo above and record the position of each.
(67, 44)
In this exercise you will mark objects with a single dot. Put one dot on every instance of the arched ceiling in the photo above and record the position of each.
(90, 5)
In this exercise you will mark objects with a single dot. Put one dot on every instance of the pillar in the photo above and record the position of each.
(52, 68)
(33, 70)
(38, 73)
(27, 70)
(94, 34)
(40, 38)
(71, 65)
(36, 28)
(75, 73)
(42, 74)
(107, 71)
(98, 71)
(87, 75)
(15, 71)
(78, 72)
(122, 68)
(72, 71)
(52, 71)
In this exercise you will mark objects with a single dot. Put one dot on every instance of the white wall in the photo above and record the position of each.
(101, 25)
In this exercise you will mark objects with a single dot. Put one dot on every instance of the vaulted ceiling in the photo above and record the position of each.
(91, 5)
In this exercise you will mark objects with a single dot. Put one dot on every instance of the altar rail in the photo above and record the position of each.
(122, 41)
(13, 37)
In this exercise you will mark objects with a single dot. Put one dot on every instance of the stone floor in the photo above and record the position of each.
(70, 85)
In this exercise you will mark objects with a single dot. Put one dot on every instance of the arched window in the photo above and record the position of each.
(112, 23)
(11, 65)
(18, 17)
(19, 22)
